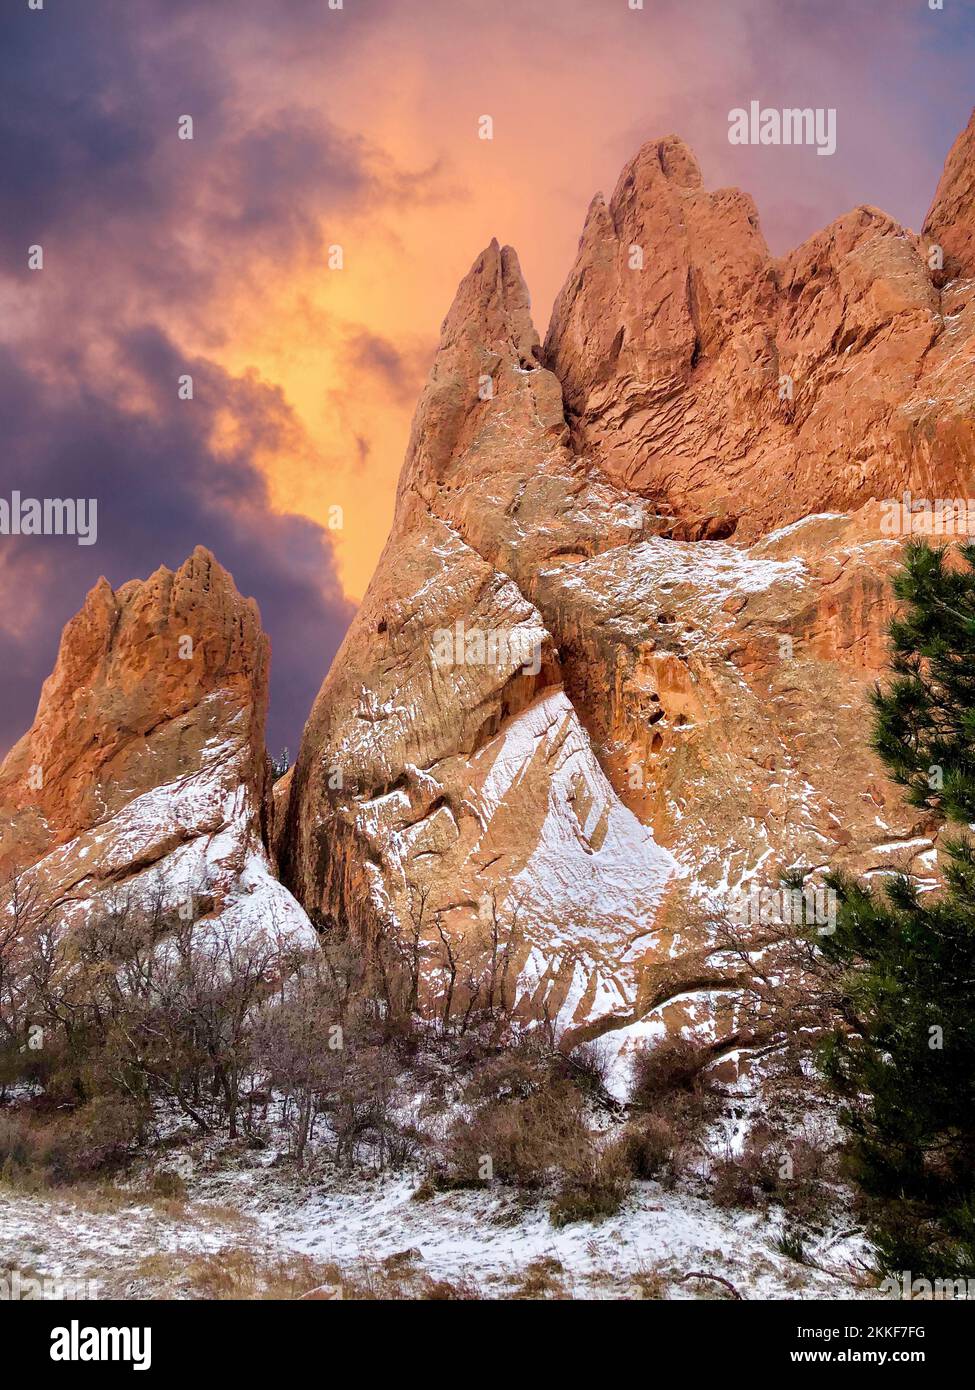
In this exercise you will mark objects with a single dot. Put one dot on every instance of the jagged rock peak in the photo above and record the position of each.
(129, 661)
(492, 306)
(669, 159)
(488, 344)
(951, 219)
(144, 771)
(701, 373)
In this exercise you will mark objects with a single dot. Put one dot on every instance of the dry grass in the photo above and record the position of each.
(246, 1274)
(596, 1187)
(99, 1198)
(238, 1273)
(648, 1284)
(543, 1278)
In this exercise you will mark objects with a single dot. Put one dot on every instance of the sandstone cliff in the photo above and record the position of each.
(743, 393)
(144, 771)
(950, 222)
(611, 670)
(673, 509)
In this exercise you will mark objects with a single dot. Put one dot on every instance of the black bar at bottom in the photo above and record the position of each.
(265, 1337)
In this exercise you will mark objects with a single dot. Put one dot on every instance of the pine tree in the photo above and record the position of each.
(906, 1061)
(924, 725)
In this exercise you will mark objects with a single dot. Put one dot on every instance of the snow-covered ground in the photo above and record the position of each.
(492, 1239)
(489, 1239)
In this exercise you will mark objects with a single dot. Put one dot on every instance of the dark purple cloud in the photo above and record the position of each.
(141, 230)
(401, 372)
(90, 100)
(161, 489)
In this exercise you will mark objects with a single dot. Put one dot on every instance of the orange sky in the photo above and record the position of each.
(573, 90)
(356, 126)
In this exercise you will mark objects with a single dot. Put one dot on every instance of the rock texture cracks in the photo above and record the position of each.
(678, 499)
(611, 670)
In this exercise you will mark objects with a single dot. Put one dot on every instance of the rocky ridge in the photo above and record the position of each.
(678, 500)
(611, 671)
(144, 775)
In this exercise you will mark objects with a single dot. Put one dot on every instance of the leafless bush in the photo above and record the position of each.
(300, 1044)
(651, 1147)
(25, 918)
(136, 1003)
(46, 1147)
(790, 1171)
(594, 1187)
(361, 1110)
(660, 1069)
(476, 976)
(515, 1072)
(526, 1140)
(788, 994)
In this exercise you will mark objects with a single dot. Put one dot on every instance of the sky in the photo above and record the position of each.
(319, 125)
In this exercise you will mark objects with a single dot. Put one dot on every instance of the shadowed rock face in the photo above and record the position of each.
(950, 223)
(694, 719)
(145, 769)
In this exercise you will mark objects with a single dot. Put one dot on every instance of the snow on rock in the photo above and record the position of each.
(144, 777)
(594, 876)
(191, 845)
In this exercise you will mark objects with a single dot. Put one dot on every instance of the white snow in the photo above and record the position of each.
(642, 574)
(488, 1237)
(618, 882)
(196, 835)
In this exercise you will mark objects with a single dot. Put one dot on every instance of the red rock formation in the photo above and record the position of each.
(613, 661)
(694, 722)
(950, 222)
(427, 795)
(743, 393)
(145, 766)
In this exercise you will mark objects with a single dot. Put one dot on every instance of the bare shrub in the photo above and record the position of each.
(25, 920)
(650, 1147)
(792, 1172)
(672, 1103)
(361, 1110)
(45, 1148)
(595, 1187)
(514, 1073)
(299, 1045)
(789, 995)
(587, 1066)
(524, 1140)
(674, 1064)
